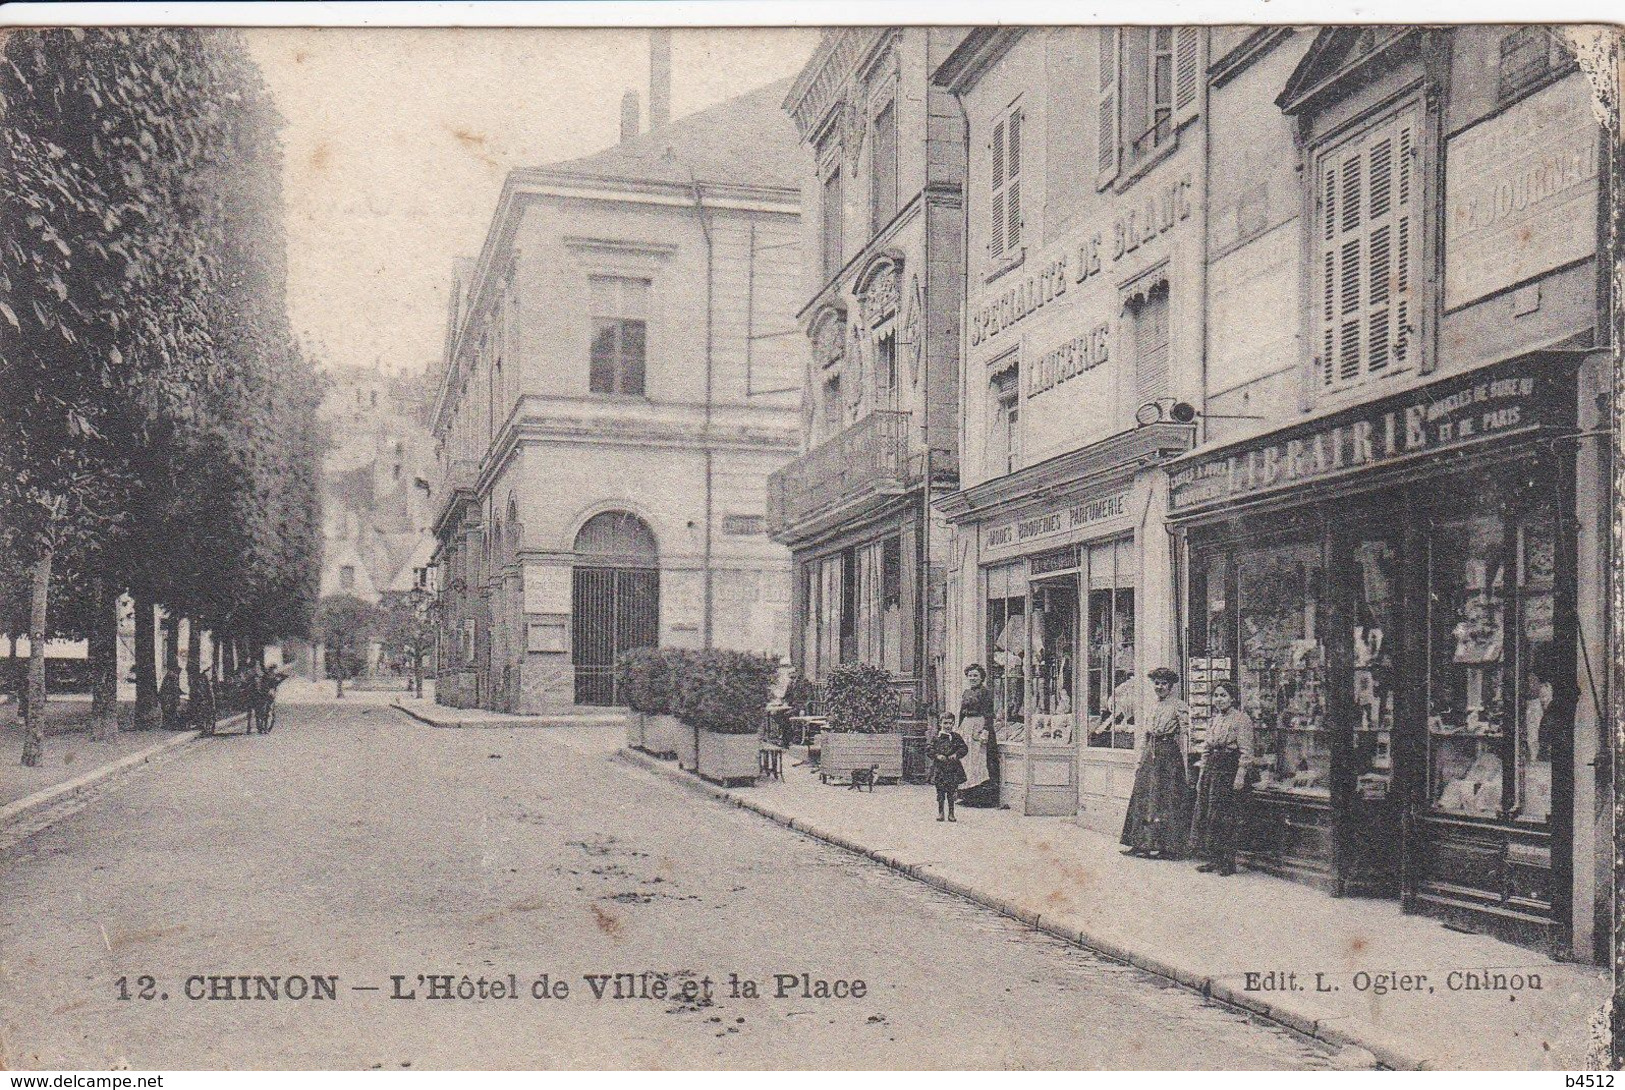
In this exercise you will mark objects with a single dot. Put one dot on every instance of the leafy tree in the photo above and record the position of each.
(407, 630)
(345, 625)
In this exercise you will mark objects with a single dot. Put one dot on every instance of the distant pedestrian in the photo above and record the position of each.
(947, 751)
(1227, 760)
(1159, 819)
(169, 699)
(200, 704)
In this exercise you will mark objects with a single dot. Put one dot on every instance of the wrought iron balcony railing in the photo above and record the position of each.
(871, 457)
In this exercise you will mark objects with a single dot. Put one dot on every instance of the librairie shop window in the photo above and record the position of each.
(1491, 667)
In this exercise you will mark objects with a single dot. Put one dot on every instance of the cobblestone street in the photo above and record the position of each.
(354, 843)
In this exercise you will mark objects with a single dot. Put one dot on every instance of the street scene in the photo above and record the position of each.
(877, 548)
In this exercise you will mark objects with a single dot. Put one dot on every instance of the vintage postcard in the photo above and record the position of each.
(872, 547)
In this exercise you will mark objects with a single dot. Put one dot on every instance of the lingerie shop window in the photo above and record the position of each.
(1007, 648)
(1111, 571)
(1052, 655)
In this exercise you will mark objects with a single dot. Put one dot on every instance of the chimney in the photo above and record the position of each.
(659, 78)
(629, 116)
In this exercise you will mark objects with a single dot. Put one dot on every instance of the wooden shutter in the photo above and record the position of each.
(1365, 269)
(1187, 73)
(1012, 182)
(996, 241)
(1110, 126)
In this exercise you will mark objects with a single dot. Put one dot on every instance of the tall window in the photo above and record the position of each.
(883, 168)
(1004, 443)
(1364, 230)
(834, 407)
(1111, 572)
(347, 577)
(886, 371)
(830, 240)
(1150, 84)
(1151, 345)
(1004, 215)
(620, 309)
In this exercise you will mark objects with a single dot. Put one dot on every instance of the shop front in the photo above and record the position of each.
(1069, 557)
(1393, 589)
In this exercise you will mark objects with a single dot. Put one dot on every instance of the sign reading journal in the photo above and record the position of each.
(1491, 403)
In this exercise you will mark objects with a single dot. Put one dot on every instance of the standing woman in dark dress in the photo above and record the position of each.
(976, 706)
(1227, 758)
(1159, 818)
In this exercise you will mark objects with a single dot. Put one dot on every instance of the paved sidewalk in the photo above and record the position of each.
(73, 760)
(438, 715)
(1209, 932)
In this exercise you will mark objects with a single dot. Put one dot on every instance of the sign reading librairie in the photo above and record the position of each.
(1521, 193)
(1497, 402)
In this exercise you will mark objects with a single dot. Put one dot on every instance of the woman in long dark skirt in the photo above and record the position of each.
(1227, 758)
(977, 724)
(1159, 817)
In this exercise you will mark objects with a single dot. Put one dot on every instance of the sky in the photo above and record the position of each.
(397, 141)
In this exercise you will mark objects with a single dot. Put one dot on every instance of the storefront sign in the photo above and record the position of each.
(1521, 193)
(1050, 524)
(1491, 403)
(1076, 356)
(1152, 217)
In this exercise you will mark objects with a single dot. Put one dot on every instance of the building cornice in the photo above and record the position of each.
(821, 85)
(971, 58)
(1118, 456)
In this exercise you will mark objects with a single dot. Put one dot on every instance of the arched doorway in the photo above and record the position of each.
(615, 605)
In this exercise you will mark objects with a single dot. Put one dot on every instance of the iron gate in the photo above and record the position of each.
(613, 610)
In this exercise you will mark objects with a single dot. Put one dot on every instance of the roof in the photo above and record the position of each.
(746, 140)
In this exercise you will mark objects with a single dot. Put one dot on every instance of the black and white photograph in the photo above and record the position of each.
(794, 547)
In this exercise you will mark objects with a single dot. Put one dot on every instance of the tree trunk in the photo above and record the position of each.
(194, 649)
(146, 662)
(228, 653)
(104, 663)
(172, 640)
(417, 675)
(34, 728)
(338, 670)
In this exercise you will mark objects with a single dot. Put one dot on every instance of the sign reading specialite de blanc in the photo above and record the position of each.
(1491, 403)
(1521, 193)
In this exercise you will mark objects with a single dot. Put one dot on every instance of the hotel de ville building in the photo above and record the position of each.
(1280, 356)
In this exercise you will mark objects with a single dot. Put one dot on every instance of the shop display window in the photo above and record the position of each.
(1374, 574)
(1052, 653)
(1490, 699)
(1283, 665)
(1113, 689)
(1211, 652)
(1537, 546)
(1467, 682)
(1007, 648)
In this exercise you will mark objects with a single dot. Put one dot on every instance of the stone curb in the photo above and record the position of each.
(1207, 987)
(485, 723)
(14, 811)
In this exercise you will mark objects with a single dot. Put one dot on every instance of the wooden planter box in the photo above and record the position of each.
(666, 736)
(729, 758)
(843, 752)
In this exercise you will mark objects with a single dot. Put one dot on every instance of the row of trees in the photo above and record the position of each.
(161, 437)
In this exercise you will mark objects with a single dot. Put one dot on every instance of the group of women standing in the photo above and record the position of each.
(1161, 823)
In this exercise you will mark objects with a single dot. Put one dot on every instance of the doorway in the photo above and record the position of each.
(615, 601)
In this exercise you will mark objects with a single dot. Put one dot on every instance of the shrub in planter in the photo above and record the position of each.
(863, 730)
(644, 676)
(722, 695)
(858, 697)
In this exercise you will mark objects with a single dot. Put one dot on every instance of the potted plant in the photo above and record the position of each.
(723, 695)
(862, 724)
(644, 683)
(653, 674)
